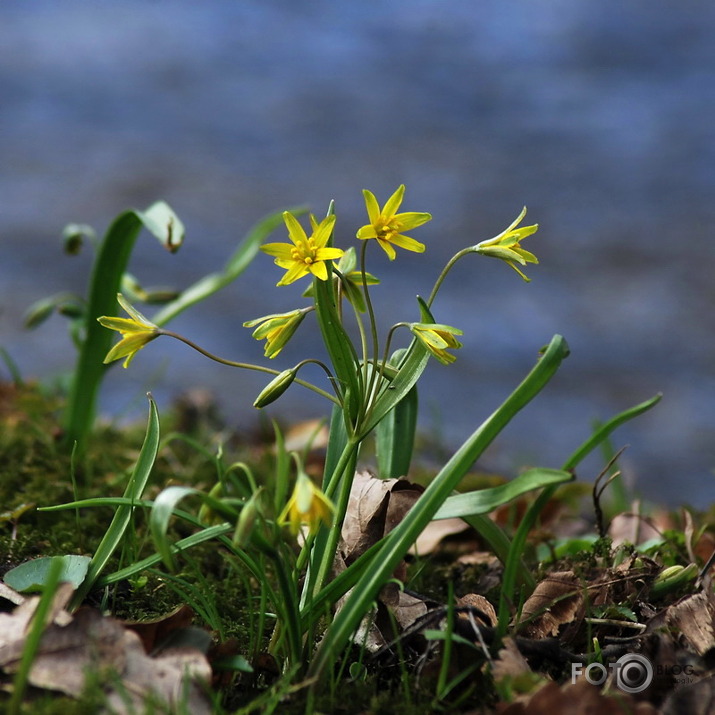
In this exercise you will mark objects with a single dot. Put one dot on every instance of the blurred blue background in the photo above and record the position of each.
(595, 114)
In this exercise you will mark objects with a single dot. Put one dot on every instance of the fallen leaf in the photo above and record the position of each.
(435, 532)
(693, 618)
(476, 600)
(510, 663)
(580, 698)
(87, 642)
(375, 507)
(155, 631)
(405, 607)
(310, 433)
(555, 601)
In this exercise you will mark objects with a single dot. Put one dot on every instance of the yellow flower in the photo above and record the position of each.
(307, 505)
(352, 283)
(386, 226)
(437, 338)
(277, 329)
(507, 247)
(307, 254)
(137, 331)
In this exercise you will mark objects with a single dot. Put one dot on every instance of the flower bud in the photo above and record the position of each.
(275, 388)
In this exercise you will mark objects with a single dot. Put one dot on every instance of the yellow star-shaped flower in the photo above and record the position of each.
(437, 338)
(307, 505)
(277, 329)
(307, 254)
(386, 225)
(507, 245)
(136, 332)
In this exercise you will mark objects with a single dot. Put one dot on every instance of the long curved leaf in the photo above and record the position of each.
(115, 533)
(109, 266)
(398, 542)
(487, 500)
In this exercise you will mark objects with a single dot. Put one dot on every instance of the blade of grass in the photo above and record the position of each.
(532, 514)
(487, 500)
(34, 636)
(398, 542)
(115, 533)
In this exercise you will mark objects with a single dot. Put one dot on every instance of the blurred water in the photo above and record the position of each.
(596, 115)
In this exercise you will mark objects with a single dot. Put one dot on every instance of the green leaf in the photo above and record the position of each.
(109, 266)
(487, 500)
(395, 434)
(409, 372)
(33, 575)
(114, 535)
(161, 220)
(339, 346)
(210, 532)
(398, 542)
(164, 506)
(519, 541)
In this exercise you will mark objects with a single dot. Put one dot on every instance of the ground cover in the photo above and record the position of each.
(619, 595)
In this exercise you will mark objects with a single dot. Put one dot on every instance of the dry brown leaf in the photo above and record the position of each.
(73, 645)
(476, 600)
(405, 607)
(630, 528)
(510, 663)
(309, 433)
(580, 698)
(693, 617)
(10, 594)
(435, 532)
(555, 601)
(153, 632)
(375, 507)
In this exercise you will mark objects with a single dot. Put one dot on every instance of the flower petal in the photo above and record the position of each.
(281, 250)
(393, 203)
(319, 270)
(322, 233)
(296, 271)
(366, 232)
(407, 243)
(127, 346)
(123, 325)
(131, 310)
(295, 230)
(411, 219)
(328, 254)
(373, 208)
(388, 248)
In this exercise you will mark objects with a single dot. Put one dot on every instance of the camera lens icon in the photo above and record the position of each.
(633, 673)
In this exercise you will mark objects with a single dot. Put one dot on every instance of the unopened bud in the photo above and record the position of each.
(246, 521)
(672, 578)
(275, 388)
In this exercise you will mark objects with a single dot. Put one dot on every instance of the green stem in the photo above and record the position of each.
(331, 546)
(320, 547)
(250, 366)
(448, 267)
(372, 399)
(373, 327)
